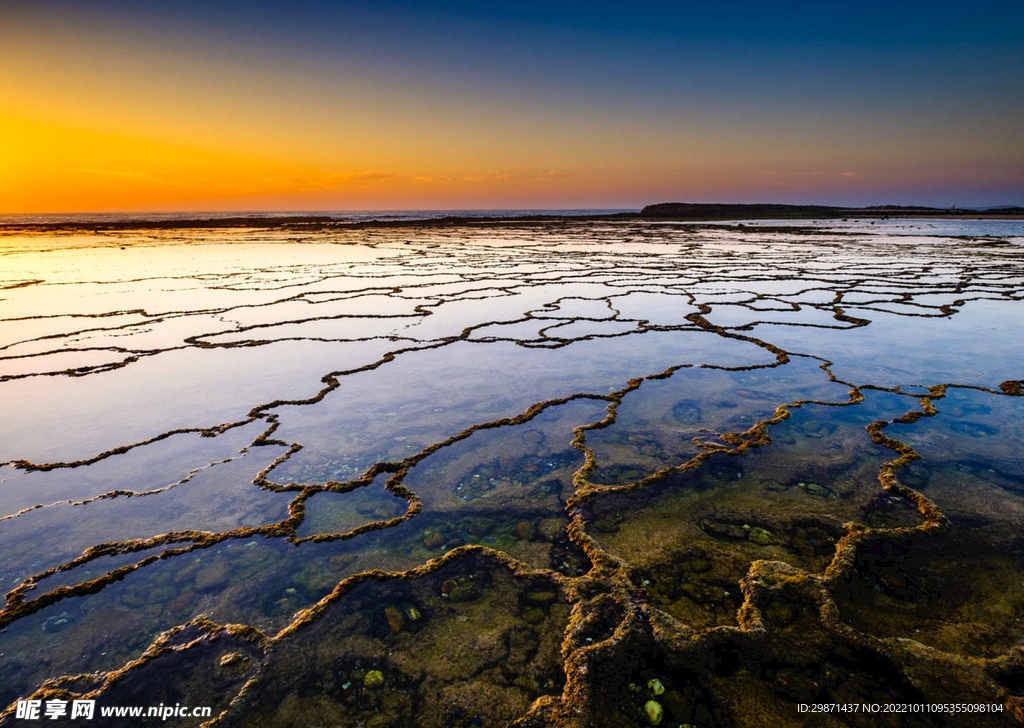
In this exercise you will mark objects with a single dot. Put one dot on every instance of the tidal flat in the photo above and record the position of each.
(544, 474)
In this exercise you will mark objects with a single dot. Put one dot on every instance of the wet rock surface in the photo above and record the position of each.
(537, 474)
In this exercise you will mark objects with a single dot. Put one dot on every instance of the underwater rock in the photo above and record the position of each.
(56, 623)
(761, 537)
(780, 614)
(654, 712)
(551, 529)
(606, 525)
(183, 601)
(618, 474)
(677, 704)
(396, 621)
(340, 562)
(459, 591)
(795, 686)
(724, 530)
(134, 599)
(481, 526)
(698, 565)
(973, 429)
(526, 531)
(685, 412)
(894, 581)
(813, 489)
(434, 540)
(541, 597)
(534, 615)
(211, 577)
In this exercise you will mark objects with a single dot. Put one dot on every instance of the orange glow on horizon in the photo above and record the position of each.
(156, 124)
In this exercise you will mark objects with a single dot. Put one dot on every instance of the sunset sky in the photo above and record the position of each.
(160, 106)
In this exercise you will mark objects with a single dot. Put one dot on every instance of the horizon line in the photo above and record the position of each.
(367, 210)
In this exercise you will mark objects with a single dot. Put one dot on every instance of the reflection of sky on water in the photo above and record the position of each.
(368, 353)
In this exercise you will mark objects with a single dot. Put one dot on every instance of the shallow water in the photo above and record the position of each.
(509, 473)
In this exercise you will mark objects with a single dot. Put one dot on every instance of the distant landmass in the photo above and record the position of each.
(679, 211)
(726, 211)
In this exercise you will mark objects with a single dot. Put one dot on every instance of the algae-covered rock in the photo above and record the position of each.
(780, 614)
(534, 615)
(723, 530)
(396, 620)
(816, 490)
(541, 597)
(677, 704)
(760, 536)
(551, 529)
(699, 565)
(459, 591)
(373, 680)
(212, 577)
(465, 593)
(481, 526)
(433, 540)
(233, 664)
(654, 712)
(526, 531)
(230, 657)
(606, 525)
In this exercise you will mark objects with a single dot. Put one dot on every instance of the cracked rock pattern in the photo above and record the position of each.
(529, 473)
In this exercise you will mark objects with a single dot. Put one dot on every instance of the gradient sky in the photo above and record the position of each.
(149, 106)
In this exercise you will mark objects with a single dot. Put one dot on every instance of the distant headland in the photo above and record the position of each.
(725, 211)
(692, 212)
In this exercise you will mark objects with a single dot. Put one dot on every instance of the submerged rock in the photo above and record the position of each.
(606, 525)
(396, 621)
(211, 577)
(526, 530)
(459, 591)
(724, 530)
(541, 597)
(678, 705)
(534, 615)
(654, 712)
(340, 562)
(780, 613)
(481, 526)
(551, 528)
(434, 540)
(761, 537)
